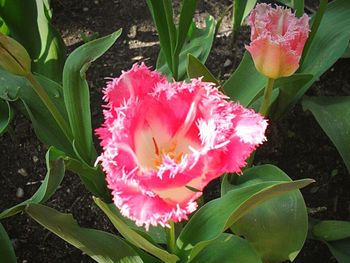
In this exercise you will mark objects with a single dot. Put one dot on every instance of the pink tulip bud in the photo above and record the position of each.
(277, 40)
(164, 142)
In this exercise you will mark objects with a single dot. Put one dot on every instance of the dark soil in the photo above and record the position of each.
(296, 144)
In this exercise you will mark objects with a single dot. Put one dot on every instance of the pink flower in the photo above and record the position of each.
(277, 40)
(163, 142)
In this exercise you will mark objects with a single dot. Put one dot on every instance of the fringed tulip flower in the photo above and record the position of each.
(164, 142)
(277, 40)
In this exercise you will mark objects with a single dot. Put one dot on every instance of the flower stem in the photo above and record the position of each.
(267, 97)
(171, 237)
(50, 106)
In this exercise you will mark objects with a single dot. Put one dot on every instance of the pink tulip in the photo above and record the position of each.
(277, 40)
(164, 142)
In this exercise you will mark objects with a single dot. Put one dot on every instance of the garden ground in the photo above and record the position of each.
(296, 144)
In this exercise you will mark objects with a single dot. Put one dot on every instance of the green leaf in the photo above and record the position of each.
(276, 229)
(6, 250)
(133, 237)
(287, 87)
(157, 234)
(54, 175)
(347, 52)
(92, 177)
(101, 246)
(198, 44)
(162, 14)
(340, 250)
(328, 45)
(241, 8)
(336, 235)
(216, 216)
(19, 90)
(30, 23)
(245, 83)
(316, 21)
(332, 113)
(195, 69)
(227, 248)
(76, 92)
(331, 230)
(186, 17)
(6, 115)
(297, 5)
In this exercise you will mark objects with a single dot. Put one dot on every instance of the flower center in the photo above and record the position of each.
(170, 150)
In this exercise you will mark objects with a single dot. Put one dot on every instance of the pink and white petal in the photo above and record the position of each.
(135, 83)
(236, 155)
(147, 208)
(289, 61)
(249, 126)
(273, 59)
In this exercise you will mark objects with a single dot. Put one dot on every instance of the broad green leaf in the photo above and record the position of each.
(92, 177)
(30, 23)
(6, 250)
(157, 234)
(54, 175)
(315, 24)
(195, 69)
(216, 216)
(241, 8)
(340, 250)
(133, 237)
(276, 229)
(146, 258)
(186, 17)
(227, 248)
(336, 235)
(331, 230)
(18, 89)
(162, 14)
(332, 113)
(328, 45)
(76, 92)
(198, 44)
(297, 5)
(101, 246)
(245, 83)
(287, 86)
(347, 52)
(6, 115)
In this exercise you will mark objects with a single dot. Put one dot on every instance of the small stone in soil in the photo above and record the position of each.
(137, 58)
(85, 9)
(22, 172)
(132, 31)
(227, 63)
(20, 192)
(35, 159)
